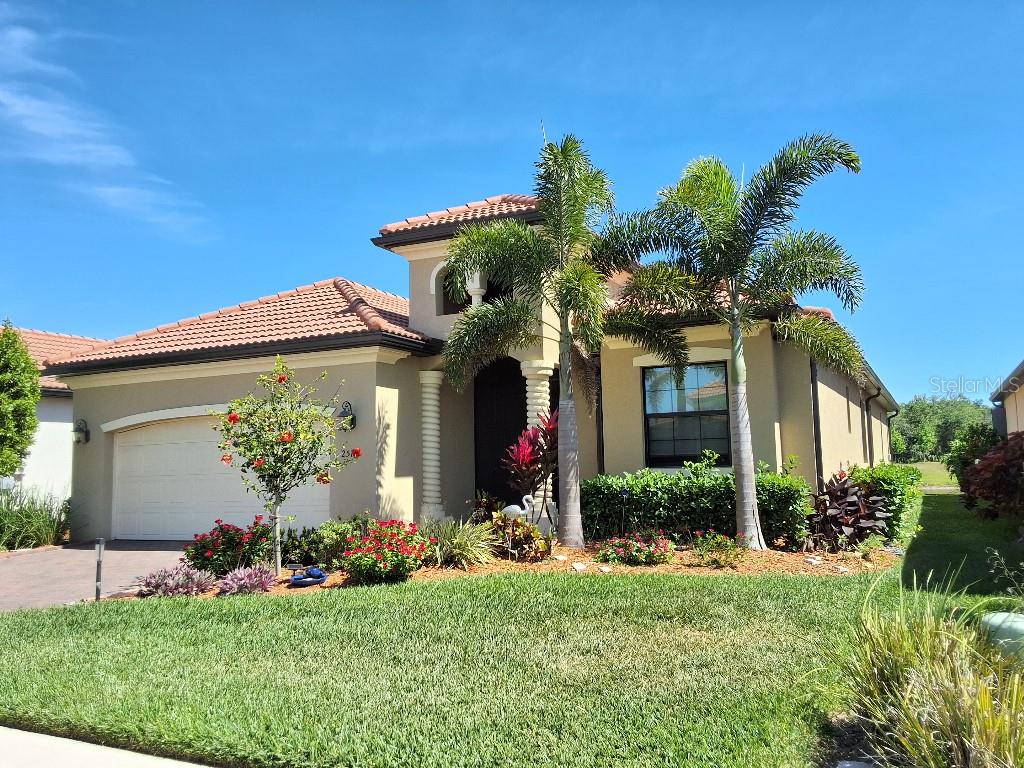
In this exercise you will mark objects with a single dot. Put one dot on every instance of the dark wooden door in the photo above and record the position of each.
(499, 406)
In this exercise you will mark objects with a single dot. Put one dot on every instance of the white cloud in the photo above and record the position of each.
(41, 122)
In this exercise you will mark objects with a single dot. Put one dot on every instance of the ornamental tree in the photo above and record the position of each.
(282, 439)
(19, 396)
(532, 459)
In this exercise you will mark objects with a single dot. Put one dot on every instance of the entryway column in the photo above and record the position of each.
(430, 426)
(476, 287)
(538, 389)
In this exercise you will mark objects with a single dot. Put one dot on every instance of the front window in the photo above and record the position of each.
(684, 419)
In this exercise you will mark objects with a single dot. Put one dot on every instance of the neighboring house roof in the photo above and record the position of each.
(1010, 384)
(330, 314)
(438, 225)
(43, 346)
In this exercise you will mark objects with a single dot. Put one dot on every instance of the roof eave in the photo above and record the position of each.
(419, 347)
(432, 233)
(1009, 385)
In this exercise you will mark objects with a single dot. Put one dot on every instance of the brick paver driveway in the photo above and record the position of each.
(66, 574)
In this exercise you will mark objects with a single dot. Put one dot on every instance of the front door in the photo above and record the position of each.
(499, 406)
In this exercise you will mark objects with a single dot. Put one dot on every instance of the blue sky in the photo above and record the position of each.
(158, 160)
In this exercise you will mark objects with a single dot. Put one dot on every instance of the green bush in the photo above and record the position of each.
(899, 487)
(31, 519)
(698, 497)
(971, 444)
(459, 545)
(323, 545)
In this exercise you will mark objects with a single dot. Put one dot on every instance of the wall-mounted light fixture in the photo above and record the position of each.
(80, 433)
(345, 413)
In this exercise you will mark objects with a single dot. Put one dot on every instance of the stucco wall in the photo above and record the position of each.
(47, 468)
(796, 412)
(1014, 405)
(355, 490)
(843, 435)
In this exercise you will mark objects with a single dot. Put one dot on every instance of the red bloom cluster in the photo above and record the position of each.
(287, 437)
(282, 378)
(234, 418)
(228, 546)
(390, 551)
(637, 549)
(357, 452)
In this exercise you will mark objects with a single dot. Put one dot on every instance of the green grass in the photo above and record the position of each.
(526, 670)
(935, 474)
(953, 542)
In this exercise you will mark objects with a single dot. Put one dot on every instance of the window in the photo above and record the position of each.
(683, 420)
(445, 305)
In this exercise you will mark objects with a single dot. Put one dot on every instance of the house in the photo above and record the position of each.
(150, 469)
(47, 468)
(1008, 415)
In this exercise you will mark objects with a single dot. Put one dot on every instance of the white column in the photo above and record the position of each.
(476, 287)
(430, 425)
(538, 389)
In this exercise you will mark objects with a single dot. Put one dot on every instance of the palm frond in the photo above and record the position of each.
(771, 197)
(627, 238)
(507, 251)
(485, 333)
(659, 333)
(664, 286)
(579, 292)
(573, 196)
(824, 340)
(709, 190)
(798, 262)
(585, 374)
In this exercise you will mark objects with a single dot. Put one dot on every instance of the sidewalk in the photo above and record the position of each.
(22, 748)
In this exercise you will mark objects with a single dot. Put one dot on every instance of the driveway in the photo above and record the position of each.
(59, 575)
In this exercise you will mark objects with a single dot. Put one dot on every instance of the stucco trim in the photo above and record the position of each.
(229, 367)
(164, 414)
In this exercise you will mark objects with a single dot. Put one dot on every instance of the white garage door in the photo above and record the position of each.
(169, 483)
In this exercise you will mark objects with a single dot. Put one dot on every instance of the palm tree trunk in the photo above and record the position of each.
(748, 523)
(570, 518)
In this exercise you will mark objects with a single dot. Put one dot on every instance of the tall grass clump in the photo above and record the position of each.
(929, 689)
(30, 518)
(459, 545)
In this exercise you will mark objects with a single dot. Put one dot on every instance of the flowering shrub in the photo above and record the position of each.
(997, 479)
(323, 545)
(390, 551)
(520, 539)
(637, 549)
(717, 550)
(227, 546)
(257, 578)
(182, 579)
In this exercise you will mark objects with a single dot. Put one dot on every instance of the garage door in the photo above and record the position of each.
(169, 483)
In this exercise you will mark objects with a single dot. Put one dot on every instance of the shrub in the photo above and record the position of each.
(844, 515)
(696, 497)
(325, 544)
(519, 539)
(180, 580)
(637, 549)
(31, 519)
(898, 485)
(459, 545)
(970, 445)
(297, 545)
(256, 578)
(227, 546)
(929, 690)
(717, 550)
(19, 396)
(484, 507)
(390, 551)
(998, 478)
(533, 458)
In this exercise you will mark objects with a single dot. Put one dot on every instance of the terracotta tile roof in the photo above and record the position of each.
(499, 206)
(329, 308)
(43, 346)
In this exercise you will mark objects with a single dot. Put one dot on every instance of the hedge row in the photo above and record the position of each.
(899, 485)
(698, 498)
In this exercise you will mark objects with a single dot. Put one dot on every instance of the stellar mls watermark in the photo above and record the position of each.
(970, 387)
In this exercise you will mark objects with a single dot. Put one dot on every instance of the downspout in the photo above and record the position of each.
(816, 425)
(871, 429)
(599, 421)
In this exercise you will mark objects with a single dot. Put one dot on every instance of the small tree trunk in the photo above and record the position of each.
(277, 537)
(748, 523)
(570, 517)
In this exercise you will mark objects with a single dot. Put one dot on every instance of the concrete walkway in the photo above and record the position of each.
(59, 575)
(22, 748)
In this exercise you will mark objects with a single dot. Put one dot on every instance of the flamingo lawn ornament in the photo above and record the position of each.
(524, 511)
(530, 508)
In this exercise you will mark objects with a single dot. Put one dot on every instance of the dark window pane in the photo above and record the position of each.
(714, 426)
(721, 447)
(660, 447)
(660, 428)
(688, 427)
(687, 447)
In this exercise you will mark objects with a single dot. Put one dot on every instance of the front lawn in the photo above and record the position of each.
(527, 670)
(935, 475)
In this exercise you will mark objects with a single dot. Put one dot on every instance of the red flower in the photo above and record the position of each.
(226, 459)
(234, 418)
(287, 437)
(282, 379)
(209, 553)
(357, 452)
(323, 479)
(258, 463)
(218, 522)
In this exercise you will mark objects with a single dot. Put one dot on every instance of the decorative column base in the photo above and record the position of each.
(430, 434)
(538, 404)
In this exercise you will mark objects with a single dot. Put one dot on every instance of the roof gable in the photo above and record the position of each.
(441, 224)
(44, 346)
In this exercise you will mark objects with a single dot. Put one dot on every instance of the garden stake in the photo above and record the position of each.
(99, 567)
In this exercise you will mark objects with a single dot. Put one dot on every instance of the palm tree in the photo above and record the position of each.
(555, 280)
(747, 266)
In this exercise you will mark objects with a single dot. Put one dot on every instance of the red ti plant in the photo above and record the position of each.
(533, 458)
